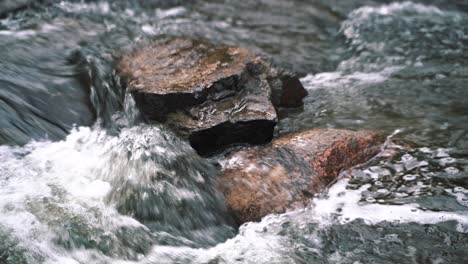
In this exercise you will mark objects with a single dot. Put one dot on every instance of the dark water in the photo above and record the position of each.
(83, 181)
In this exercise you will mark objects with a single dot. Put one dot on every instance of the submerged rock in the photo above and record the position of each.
(213, 95)
(261, 180)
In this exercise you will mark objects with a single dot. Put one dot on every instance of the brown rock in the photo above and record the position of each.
(214, 95)
(261, 180)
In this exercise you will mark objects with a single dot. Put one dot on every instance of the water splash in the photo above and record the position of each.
(118, 195)
(77, 193)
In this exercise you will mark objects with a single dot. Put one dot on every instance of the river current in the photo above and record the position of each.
(84, 180)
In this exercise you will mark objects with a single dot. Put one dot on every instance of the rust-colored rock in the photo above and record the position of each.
(261, 180)
(213, 95)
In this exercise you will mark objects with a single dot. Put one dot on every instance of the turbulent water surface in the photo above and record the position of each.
(82, 180)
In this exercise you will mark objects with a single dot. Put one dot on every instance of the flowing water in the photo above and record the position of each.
(82, 180)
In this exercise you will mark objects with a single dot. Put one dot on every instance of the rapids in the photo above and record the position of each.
(83, 180)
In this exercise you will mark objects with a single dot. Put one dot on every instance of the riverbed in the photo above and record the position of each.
(75, 153)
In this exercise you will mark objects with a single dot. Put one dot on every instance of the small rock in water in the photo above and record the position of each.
(257, 181)
(213, 95)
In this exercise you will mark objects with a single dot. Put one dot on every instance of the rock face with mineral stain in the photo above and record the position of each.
(261, 180)
(213, 95)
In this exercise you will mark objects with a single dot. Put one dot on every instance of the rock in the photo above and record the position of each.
(213, 95)
(261, 180)
(287, 90)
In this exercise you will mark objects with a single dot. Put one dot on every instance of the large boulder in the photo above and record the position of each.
(261, 180)
(213, 95)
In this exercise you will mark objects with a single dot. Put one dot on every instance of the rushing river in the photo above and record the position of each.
(83, 180)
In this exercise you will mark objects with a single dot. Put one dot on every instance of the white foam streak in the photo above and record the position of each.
(397, 8)
(348, 203)
(101, 7)
(340, 79)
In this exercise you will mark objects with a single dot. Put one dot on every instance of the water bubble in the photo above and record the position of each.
(409, 177)
(444, 126)
(419, 183)
(440, 76)
(412, 164)
(429, 174)
(358, 174)
(462, 199)
(425, 150)
(423, 163)
(406, 158)
(451, 170)
(383, 191)
(381, 171)
(373, 175)
(441, 153)
(400, 195)
(392, 237)
(447, 160)
(398, 168)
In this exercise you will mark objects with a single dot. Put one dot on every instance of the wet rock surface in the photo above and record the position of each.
(214, 95)
(261, 180)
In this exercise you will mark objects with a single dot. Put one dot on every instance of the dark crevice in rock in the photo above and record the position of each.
(210, 140)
